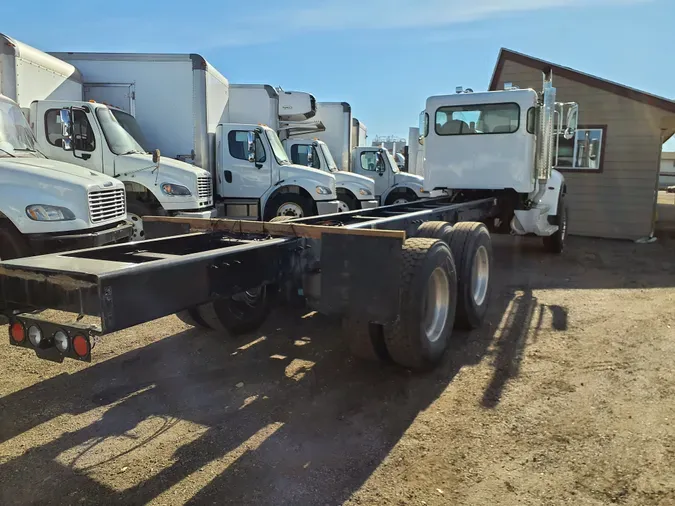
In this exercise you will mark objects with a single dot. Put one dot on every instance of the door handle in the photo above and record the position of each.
(228, 176)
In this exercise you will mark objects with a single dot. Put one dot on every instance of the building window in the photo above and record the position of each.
(83, 135)
(583, 151)
(478, 119)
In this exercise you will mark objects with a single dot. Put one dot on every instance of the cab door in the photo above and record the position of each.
(372, 164)
(88, 143)
(239, 177)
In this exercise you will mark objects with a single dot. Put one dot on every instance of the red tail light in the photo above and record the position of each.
(18, 333)
(81, 346)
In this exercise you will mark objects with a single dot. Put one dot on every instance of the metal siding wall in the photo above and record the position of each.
(617, 203)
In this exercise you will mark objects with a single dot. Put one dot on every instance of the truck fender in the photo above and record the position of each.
(353, 188)
(285, 188)
(555, 186)
(136, 187)
(412, 187)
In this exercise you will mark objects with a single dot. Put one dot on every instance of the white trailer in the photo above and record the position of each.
(187, 109)
(43, 85)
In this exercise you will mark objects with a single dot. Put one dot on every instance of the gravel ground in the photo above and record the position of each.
(565, 396)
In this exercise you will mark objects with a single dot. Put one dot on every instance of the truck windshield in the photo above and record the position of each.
(15, 134)
(130, 124)
(332, 166)
(277, 148)
(118, 139)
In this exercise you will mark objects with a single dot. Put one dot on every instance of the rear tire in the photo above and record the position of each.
(236, 315)
(556, 243)
(293, 205)
(428, 294)
(435, 230)
(365, 340)
(12, 243)
(191, 317)
(471, 247)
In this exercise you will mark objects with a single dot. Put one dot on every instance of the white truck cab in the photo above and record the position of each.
(99, 142)
(353, 190)
(256, 179)
(47, 205)
(391, 185)
(503, 142)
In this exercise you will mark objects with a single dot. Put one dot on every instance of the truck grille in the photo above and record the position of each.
(106, 205)
(204, 187)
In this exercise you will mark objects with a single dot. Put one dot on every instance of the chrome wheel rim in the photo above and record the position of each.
(436, 304)
(401, 201)
(290, 209)
(342, 207)
(137, 232)
(480, 275)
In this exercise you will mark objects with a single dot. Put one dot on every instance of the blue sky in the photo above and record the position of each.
(382, 56)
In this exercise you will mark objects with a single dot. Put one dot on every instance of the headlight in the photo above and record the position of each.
(364, 191)
(41, 212)
(175, 189)
(323, 190)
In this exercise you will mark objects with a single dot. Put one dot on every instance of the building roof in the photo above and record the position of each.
(581, 77)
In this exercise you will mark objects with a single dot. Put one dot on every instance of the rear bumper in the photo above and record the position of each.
(327, 207)
(53, 243)
(369, 204)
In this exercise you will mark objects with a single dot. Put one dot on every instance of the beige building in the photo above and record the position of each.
(612, 165)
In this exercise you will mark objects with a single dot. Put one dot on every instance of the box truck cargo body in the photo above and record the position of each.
(189, 111)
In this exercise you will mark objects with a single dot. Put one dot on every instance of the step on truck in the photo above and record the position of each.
(47, 205)
(345, 138)
(400, 277)
(43, 85)
(184, 107)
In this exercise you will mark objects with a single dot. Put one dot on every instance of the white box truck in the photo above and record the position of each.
(47, 205)
(291, 114)
(184, 107)
(43, 85)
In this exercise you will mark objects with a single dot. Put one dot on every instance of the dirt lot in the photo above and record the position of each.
(566, 396)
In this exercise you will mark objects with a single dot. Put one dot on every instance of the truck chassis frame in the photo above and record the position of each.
(192, 262)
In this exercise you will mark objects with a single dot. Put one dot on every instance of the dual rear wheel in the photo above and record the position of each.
(445, 284)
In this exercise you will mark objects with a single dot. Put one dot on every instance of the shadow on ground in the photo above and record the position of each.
(300, 421)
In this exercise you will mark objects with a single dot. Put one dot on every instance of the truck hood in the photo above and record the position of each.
(342, 176)
(301, 171)
(404, 177)
(170, 170)
(54, 170)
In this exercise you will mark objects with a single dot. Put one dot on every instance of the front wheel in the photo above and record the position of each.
(556, 243)
(400, 198)
(346, 202)
(136, 209)
(292, 205)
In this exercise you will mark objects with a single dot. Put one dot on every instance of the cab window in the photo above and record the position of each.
(478, 119)
(300, 154)
(83, 134)
(371, 160)
(238, 143)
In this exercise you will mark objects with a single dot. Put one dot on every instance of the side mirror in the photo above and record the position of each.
(572, 122)
(310, 156)
(155, 156)
(66, 129)
(251, 146)
(420, 140)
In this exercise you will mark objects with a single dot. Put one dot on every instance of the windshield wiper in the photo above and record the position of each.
(133, 152)
(10, 154)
